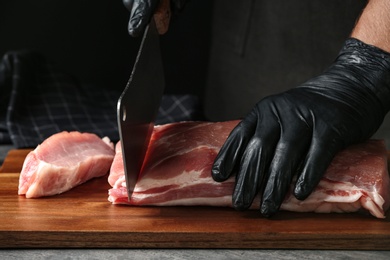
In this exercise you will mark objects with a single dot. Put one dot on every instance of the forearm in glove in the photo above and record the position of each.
(298, 132)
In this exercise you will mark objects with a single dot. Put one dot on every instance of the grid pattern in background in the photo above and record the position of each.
(36, 103)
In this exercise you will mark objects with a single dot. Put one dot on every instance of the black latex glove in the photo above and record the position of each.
(141, 12)
(298, 132)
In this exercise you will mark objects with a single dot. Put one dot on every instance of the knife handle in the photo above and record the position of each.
(162, 16)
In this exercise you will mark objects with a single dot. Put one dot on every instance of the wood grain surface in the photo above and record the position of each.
(83, 218)
(14, 160)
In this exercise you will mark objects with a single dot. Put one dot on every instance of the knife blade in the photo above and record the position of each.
(138, 105)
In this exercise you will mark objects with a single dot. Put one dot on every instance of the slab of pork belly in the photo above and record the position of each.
(177, 171)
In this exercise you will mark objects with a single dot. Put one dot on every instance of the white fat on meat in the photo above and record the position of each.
(177, 172)
(63, 161)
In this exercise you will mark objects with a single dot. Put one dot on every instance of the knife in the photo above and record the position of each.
(138, 104)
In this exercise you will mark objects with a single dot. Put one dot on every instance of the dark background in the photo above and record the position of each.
(229, 53)
(89, 40)
(263, 47)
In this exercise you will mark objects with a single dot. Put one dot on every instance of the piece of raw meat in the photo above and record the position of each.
(63, 161)
(178, 167)
(356, 179)
(177, 172)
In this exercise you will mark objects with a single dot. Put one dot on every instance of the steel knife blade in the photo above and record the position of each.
(138, 105)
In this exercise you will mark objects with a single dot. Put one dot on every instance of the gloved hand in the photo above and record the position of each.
(298, 132)
(141, 12)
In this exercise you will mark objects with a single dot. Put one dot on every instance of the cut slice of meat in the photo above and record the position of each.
(178, 165)
(64, 161)
(177, 172)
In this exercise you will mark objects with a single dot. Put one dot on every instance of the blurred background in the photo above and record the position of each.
(228, 53)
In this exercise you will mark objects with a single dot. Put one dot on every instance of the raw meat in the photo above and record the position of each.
(178, 167)
(64, 161)
(356, 179)
(177, 172)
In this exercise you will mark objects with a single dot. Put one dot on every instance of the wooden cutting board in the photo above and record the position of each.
(83, 218)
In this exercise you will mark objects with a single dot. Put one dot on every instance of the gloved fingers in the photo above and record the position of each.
(141, 12)
(288, 156)
(229, 156)
(128, 4)
(254, 164)
(230, 153)
(320, 155)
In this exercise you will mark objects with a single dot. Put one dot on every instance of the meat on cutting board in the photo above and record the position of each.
(177, 172)
(64, 161)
